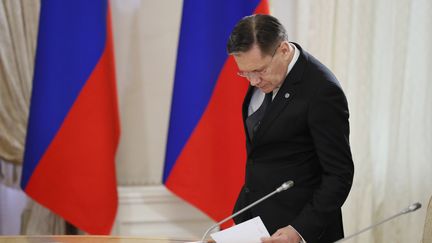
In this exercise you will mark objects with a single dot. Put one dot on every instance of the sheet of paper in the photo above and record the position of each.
(249, 231)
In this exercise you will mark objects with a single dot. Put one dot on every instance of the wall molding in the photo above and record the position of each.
(153, 211)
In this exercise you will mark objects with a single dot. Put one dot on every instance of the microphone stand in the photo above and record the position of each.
(413, 207)
(283, 187)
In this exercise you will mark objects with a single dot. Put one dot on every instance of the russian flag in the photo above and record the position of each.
(73, 127)
(205, 156)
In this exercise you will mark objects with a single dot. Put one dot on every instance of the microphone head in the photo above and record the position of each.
(285, 186)
(413, 207)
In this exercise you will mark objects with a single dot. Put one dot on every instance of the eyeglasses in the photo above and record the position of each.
(256, 74)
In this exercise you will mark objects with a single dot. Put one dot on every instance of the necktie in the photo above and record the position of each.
(253, 121)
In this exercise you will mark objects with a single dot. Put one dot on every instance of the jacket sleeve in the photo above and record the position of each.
(329, 127)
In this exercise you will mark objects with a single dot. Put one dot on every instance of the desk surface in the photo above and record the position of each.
(84, 239)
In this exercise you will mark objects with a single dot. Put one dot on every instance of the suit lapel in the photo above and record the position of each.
(285, 94)
(245, 109)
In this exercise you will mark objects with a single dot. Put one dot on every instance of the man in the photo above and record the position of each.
(296, 122)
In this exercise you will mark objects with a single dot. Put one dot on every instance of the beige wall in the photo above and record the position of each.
(145, 39)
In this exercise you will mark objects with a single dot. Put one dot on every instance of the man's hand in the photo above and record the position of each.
(283, 235)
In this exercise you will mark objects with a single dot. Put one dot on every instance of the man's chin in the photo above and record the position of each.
(266, 89)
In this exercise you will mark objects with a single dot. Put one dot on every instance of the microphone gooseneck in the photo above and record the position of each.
(411, 208)
(283, 187)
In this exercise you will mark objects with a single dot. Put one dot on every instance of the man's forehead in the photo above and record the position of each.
(251, 60)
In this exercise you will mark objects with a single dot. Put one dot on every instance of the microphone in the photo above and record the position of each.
(411, 208)
(283, 187)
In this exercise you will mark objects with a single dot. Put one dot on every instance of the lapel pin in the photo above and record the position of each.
(287, 95)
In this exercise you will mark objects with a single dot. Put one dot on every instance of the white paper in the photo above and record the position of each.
(250, 231)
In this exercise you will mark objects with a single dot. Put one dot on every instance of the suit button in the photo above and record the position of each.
(246, 189)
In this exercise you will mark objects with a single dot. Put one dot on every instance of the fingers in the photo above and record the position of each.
(267, 240)
(283, 235)
(278, 232)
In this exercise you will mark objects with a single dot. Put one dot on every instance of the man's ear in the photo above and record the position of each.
(286, 48)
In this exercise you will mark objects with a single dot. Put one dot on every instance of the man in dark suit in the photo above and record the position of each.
(296, 122)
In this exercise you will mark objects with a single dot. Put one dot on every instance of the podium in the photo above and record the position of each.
(86, 239)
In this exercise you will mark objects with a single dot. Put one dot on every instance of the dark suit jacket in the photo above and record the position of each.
(304, 137)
